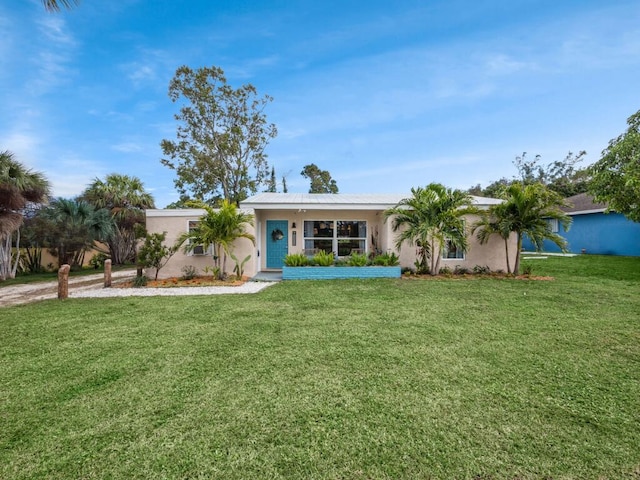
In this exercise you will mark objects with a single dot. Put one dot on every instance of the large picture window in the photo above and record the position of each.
(340, 236)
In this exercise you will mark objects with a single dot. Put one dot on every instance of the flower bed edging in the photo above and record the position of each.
(329, 273)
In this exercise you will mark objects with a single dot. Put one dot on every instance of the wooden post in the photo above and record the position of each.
(107, 273)
(63, 282)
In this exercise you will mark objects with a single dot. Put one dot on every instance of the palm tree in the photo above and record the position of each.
(219, 229)
(126, 199)
(55, 5)
(73, 228)
(494, 222)
(19, 186)
(431, 219)
(525, 211)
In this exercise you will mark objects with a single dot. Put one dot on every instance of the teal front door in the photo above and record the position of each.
(277, 242)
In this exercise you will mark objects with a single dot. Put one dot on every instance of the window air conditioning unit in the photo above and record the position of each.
(198, 250)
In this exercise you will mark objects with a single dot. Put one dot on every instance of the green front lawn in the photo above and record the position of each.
(347, 379)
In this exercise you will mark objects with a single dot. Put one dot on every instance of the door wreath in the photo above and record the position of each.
(277, 235)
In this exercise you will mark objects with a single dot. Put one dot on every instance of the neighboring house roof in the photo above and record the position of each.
(334, 201)
(583, 203)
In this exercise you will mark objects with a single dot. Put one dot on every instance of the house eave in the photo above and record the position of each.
(587, 212)
(183, 212)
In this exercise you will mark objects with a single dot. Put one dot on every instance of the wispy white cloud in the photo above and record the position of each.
(503, 64)
(150, 67)
(52, 50)
(54, 30)
(128, 147)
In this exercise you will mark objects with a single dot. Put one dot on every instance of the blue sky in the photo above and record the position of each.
(385, 95)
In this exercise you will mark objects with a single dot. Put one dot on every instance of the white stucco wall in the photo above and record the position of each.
(176, 222)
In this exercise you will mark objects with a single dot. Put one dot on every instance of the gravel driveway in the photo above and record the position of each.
(91, 286)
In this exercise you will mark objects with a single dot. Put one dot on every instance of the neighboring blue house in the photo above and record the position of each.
(594, 231)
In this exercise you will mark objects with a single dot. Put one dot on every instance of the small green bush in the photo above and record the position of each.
(527, 269)
(323, 259)
(386, 260)
(140, 281)
(357, 260)
(458, 270)
(446, 271)
(97, 261)
(481, 270)
(296, 260)
(189, 272)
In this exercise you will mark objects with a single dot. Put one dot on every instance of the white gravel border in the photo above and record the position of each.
(247, 287)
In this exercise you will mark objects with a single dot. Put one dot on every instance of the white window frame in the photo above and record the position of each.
(335, 238)
(191, 252)
(446, 251)
(553, 225)
(446, 248)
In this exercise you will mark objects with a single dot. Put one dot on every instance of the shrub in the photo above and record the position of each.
(97, 261)
(140, 281)
(357, 260)
(323, 259)
(211, 270)
(296, 260)
(154, 254)
(527, 269)
(460, 270)
(386, 260)
(446, 271)
(189, 272)
(239, 268)
(481, 270)
(421, 267)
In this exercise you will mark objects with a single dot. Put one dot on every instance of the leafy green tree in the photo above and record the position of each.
(126, 199)
(430, 219)
(73, 227)
(321, 181)
(561, 176)
(19, 187)
(186, 202)
(219, 229)
(33, 234)
(615, 178)
(492, 190)
(221, 138)
(154, 253)
(525, 211)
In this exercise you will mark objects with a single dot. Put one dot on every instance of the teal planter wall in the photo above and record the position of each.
(329, 273)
